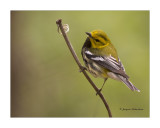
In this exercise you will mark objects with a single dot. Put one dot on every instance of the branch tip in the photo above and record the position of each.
(59, 21)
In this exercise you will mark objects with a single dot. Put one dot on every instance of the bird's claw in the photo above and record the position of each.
(82, 68)
(98, 91)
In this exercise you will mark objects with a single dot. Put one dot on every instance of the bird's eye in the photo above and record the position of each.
(96, 40)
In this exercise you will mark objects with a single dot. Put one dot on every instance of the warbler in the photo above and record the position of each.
(101, 59)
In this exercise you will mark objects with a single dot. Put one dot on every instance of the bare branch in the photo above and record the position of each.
(59, 23)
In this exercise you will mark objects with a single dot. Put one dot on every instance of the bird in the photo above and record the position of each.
(101, 59)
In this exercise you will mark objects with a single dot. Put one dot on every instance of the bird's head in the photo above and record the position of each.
(98, 38)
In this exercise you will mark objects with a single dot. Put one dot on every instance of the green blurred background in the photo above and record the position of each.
(45, 80)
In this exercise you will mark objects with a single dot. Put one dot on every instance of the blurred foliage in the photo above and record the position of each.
(45, 80)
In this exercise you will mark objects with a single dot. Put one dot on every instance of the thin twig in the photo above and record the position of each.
(59, 23)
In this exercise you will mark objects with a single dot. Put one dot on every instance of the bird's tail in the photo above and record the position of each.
(128, 83)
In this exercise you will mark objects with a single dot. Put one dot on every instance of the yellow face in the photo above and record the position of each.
(98, 39)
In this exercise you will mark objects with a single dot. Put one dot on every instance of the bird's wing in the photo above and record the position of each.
(108, 62)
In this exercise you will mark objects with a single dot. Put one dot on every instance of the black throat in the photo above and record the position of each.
(87, 43)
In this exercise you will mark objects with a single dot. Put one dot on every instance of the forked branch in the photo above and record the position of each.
(59, 23)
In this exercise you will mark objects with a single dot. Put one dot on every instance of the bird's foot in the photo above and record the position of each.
(82, 69)
(98, 91)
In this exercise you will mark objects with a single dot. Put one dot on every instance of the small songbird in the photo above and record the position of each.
(101, 59)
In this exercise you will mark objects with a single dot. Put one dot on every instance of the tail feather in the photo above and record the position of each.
(128, 83)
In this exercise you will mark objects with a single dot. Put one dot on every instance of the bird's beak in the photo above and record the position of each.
(89, 34)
